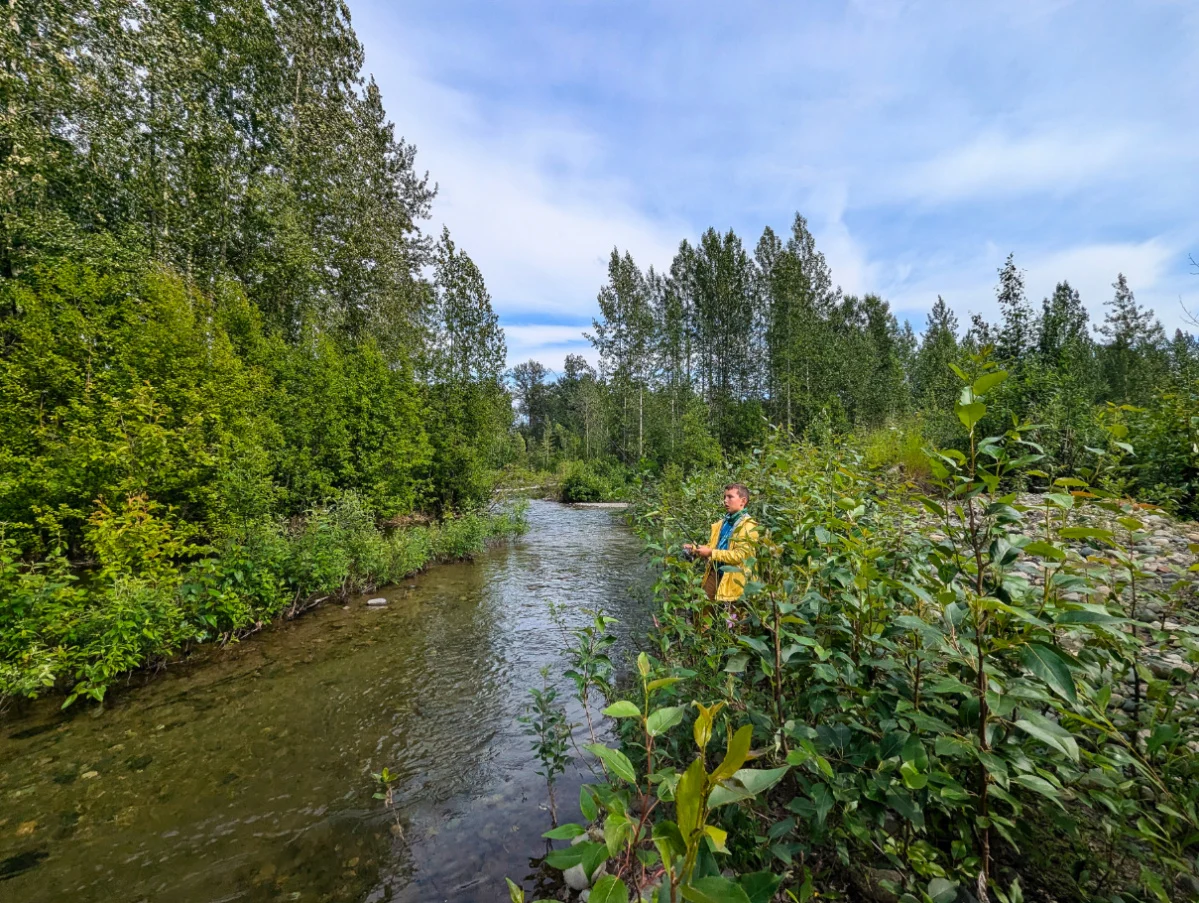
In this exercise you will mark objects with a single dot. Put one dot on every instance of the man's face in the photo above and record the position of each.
(733, 502)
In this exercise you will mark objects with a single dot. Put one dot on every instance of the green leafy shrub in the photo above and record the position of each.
(582, 484)
(943, 714)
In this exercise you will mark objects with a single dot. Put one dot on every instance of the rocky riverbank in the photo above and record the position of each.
(1150, 572)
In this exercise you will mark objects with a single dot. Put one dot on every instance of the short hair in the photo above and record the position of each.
(740, 488)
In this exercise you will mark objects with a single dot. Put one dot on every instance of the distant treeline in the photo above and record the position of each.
(700, 361)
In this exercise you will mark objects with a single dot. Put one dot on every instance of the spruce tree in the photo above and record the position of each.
(1134, 354)
(933, 380)
(1018, 329)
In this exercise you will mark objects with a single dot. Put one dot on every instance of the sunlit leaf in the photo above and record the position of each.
(989, 381)
(972, 413)
(735, 756)
(609, 889)
(618, 763)
(622, 709)
(565, 832)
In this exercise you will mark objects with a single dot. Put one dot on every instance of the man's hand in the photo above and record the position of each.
(704, 551)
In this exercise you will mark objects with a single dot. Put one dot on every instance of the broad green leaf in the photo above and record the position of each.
(891, 744)
(1049, 733)
(907, 807)
(662, 720)
(989, 381)
(587, 803)
(667, 833)
(515, 893)
(593, 857)
(1083, 616)
(714, 890)
(972, 413)
(760, 887)
(942, 890)
(617, 762)
(617, 829)
(1048, 664)
(759, 780)
(1038, 784)
(1086, 533)
(688, 797)
(1044, 550)
(701, 729)
(718, 837)
(570, 856)
(727, 792)
(1152, 883)
(663, 682)
(912, 778)
(737, 663)
(609, 889)
(735, 756)
(622, 709)
(565, 832)
(643, 664)
(933, 506)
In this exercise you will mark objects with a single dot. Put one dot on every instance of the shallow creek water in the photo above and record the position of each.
(245, 774)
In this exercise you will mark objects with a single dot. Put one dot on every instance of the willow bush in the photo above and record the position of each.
(935, 721)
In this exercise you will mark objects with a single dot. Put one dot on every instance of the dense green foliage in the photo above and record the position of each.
(949, 693)
(228, 354)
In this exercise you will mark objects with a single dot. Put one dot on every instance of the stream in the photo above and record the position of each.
(244, 774)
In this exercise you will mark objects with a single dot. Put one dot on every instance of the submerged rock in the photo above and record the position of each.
(376, 603)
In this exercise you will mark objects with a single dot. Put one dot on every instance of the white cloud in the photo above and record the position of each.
(994, 164)
(523, 198)
(1153, 267)
(921, 141)
(1092, 270)
(548, 344)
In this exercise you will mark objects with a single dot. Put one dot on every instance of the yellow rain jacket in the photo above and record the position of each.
(741, 547)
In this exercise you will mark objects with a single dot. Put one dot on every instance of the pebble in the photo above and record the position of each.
(376, 603)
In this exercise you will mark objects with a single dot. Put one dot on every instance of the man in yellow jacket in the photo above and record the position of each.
(732, 542)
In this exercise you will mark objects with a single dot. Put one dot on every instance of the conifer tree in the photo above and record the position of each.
(1018, 329)
(1064, 323)
(933, 381)
(1134, 356)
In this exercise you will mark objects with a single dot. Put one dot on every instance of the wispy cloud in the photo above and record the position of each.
(994, 165)
(923, 141)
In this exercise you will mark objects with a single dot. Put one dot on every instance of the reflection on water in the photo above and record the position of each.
(246, 776)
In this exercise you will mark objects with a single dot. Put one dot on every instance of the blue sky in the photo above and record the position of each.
(923, 142)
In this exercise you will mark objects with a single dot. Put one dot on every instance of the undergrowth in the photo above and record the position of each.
(154, 589)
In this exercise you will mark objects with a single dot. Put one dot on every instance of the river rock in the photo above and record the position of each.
(576, 878)
(376, 603)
